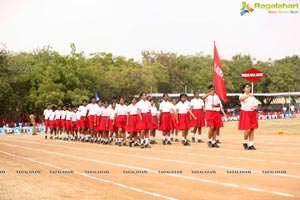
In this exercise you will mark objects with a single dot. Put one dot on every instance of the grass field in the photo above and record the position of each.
(34, 168)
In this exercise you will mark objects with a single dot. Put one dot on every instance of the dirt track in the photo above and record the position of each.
(26, 152)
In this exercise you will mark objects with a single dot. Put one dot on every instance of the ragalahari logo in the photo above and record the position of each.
(246, 8)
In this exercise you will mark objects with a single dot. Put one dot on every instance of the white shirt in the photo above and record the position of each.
(51, 115)
(121, 109)
(68, 115)
(153, 111)
(99, 111)
(166, 106)
(47, 113)
(74, 117)
(78, 115)
(145, 106)
(106, 112)
(57, 114)
(292, 108)
(248, 103)
(92, 108)
(182, 108)
(212, 100)
(173, 108)
(63, 114)
(197, 103)
(82, 110)
(132, 109)
(112, 113)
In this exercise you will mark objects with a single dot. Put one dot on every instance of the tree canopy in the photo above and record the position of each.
(31, 80)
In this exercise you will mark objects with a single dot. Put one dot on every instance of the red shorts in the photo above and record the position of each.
(132, 126)
(248, 120)
(68, 124)
(213, 119)
(199, 122)
(74, 125)
(97, 127)
(58, 123)
(52, 124)
(47, 123)
(84, 122)
(121, 121)
(183, 122)
(92, 121)
(63, 123)
(166, 123)
(111, 126)
(173, 122)
(154, 122)
(146, 122)
(104, 123)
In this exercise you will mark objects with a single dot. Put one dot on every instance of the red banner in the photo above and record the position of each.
(218, 76)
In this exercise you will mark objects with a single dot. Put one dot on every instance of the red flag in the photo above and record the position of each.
(218, 76)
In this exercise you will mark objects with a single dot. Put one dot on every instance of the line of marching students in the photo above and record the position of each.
(104, 123)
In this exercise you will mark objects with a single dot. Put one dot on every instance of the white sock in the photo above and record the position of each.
(142, 141)
(245, 141)
(200, 137)
(168, 138)
(210, 140)
(250, 143)
(193, 136)
(214, 141)
(163, 138)
(218, 137)
(146, 140)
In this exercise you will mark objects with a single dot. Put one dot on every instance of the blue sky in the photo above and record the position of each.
(126, 27)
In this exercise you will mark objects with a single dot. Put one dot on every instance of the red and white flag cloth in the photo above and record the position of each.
(218, 77)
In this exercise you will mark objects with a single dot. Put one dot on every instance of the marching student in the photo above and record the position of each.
(74, 127)
(165, 119)
(145, 122)
(52, 122)
(68, 124)
(92, 108)
(132, 122)
(104, 124)
(248, 117)
(197, 107)
(46, 114)
(182, 117)
(154, 122)
(97, 130)
(58, 123)
(78, 127)
(120, 122)
(173, 120)
(63, 123)
(83, 124)
(111, 124)
(212, 105)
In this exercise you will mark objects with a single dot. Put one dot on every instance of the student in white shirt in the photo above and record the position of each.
(52, 122)
(154, 118)
(83, 124)
(104, 122)
(58, 123)
(69, 123)
(145, 124)
(248, 117)
(63, 123)
(174, 130)
(120, 122)
(46, 114)
(111, 124)
(92, 117)
(197, 107)
(132, 122)
(165, 119)
(182, 117)
(212, 105)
